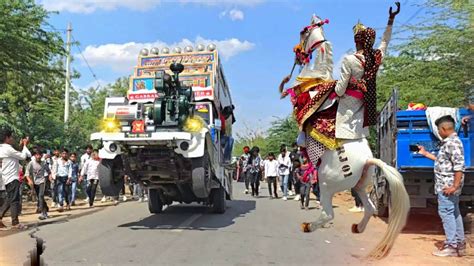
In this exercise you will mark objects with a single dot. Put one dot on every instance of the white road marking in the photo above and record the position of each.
(187, 223)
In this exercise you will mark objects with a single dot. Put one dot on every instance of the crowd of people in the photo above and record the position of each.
(61, 176)
(290, 173)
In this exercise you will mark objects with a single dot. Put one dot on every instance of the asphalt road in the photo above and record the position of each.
(251, 232)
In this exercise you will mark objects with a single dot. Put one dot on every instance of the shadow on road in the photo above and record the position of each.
(193, 217)
(423, 223)
(427, 223)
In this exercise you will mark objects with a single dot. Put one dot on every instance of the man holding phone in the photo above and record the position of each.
(449, 178)
(10, 175)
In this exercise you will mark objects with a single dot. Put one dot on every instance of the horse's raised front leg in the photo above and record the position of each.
(327, 214)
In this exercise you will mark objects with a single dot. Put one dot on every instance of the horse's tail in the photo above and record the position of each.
(400, 206)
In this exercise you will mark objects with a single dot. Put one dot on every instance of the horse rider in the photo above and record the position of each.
(356, 88)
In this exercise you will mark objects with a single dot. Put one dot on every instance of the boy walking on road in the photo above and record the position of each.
(91, 170)
(36, 173)
(271, 173)
(449, 179)
(61, 172)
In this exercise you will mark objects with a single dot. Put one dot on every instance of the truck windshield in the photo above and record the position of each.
(204, 111)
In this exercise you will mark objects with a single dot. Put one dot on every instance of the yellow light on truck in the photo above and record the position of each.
(110, 125)
(194, 124)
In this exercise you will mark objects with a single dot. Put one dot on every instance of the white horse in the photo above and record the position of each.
(352, 164)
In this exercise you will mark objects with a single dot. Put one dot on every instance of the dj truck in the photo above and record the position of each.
(172, 133)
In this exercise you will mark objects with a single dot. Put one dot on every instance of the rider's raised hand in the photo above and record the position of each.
(393, 14)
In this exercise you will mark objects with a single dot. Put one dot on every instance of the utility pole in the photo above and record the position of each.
(68, 73)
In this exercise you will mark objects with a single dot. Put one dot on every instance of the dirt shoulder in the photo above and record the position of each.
(421, 236)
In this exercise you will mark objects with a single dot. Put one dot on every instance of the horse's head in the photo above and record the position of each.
(312, 36)
(313, 45)
(312, 41)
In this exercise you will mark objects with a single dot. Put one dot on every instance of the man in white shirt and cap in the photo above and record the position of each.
(10, 175)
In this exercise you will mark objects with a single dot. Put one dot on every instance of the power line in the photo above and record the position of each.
(76, 44)
(51, 27)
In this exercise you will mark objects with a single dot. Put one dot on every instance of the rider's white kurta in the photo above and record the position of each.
(350, 112)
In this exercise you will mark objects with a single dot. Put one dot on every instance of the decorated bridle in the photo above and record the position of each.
(302, 57)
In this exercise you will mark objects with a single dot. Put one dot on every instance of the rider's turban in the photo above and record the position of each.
(364, 35)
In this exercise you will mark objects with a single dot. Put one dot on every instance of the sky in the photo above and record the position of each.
(254, 37)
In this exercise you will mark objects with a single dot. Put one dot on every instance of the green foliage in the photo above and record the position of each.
(25, 46)
(434, 64)
(31, 76)
(282, 132)
(32, 81)
(91, 112)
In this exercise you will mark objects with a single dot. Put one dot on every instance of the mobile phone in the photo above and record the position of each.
(414, 148)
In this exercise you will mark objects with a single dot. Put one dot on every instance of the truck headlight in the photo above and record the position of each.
(194, 124)
(110, 125)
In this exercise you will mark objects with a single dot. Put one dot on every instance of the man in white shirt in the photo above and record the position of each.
(84, 158)
(10, 175)
(91, 170)
(61, 171)
(271, 173)
(284, 165)
(54, 182)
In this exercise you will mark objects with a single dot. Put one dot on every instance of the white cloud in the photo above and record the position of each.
(123, 57)
(90, 6)
(236, 14)
(233, 14)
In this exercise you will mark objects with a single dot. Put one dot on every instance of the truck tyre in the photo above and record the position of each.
(381, 209)
(110, 183)
(218, 200)
(201, 175)
(154, 201)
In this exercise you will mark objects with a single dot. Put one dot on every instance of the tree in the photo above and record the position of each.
(434, 64)
(31, 73)
(251, 136)
(282, 132)
(87, 115)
